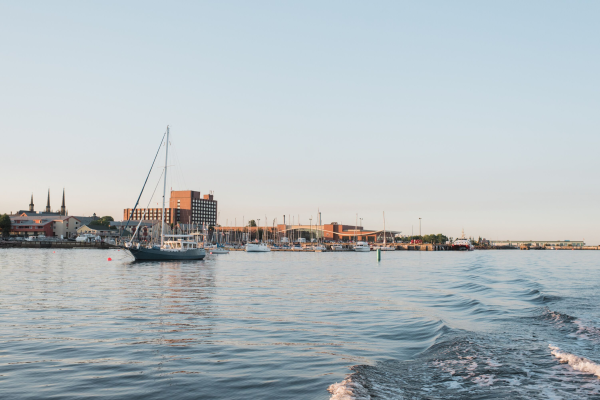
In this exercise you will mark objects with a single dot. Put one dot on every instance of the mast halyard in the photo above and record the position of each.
(162, 229)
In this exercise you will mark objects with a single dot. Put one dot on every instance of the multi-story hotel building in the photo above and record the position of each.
(185, 206)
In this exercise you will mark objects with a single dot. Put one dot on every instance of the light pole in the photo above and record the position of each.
(257, 225)
(310, 228)
(419, 226)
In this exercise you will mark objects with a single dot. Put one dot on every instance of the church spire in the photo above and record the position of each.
(62, 208)
(31, 204)
(48, 204)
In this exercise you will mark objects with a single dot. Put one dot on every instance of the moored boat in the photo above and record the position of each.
(216, 249)
(362, 246)
(463, 244)
(178, 247)
(257, 248)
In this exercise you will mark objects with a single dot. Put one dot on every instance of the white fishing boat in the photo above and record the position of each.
(337, 247)
(319, 248)
(362, 246)
(463, 243)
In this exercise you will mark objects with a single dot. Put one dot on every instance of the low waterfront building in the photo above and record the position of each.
(31, 226)
(44, 225)
(127, 228)
(335, 232)
(65, 227)
(98, 230)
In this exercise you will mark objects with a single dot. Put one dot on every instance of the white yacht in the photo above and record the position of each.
(362, 246)
(319, 248)
(257, 247)
(337, 247)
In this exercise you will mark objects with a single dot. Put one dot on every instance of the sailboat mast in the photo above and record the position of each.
(162, 230)
(384, 238)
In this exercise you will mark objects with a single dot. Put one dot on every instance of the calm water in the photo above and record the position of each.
(432, 325)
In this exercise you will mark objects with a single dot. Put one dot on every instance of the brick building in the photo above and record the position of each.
(44, 225)
(337, 232)
(185, 206)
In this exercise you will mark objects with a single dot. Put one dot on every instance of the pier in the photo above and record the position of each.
(54, 244)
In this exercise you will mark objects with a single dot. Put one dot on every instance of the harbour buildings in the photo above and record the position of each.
(47, 223)
(332, 232)
(185, 206)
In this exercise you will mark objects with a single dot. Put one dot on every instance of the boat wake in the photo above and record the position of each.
(348, 390)
(468, 365)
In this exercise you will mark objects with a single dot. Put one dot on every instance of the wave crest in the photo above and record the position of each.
(348, 390)
(577, 363)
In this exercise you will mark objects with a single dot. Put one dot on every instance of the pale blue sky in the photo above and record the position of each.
(482, 115)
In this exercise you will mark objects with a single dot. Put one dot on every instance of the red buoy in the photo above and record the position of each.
(109, 259)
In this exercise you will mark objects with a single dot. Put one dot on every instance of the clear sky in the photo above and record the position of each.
(475, 115)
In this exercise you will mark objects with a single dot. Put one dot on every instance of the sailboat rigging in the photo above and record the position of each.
(176, 247)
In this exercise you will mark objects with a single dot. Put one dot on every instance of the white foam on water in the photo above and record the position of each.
(576, 362)
(585, 331)
(348, 390)
(484, 380)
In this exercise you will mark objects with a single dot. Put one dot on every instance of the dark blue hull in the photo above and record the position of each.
(143, 254)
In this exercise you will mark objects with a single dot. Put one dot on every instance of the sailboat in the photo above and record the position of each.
(176, 247)
(319, 247)
(257, 247)
(385, 247)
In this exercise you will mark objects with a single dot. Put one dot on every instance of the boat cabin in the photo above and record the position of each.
(180, 243)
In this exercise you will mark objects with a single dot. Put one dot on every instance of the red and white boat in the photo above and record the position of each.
(463, 243)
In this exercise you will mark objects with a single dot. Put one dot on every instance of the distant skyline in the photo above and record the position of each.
(474, 115)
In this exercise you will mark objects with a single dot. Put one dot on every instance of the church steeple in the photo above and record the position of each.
(62, 208)
(31, 204)
(48, 204)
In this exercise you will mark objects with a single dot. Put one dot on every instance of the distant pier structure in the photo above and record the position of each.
(537, 243)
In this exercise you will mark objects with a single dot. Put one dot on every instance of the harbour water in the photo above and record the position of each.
(431, 325)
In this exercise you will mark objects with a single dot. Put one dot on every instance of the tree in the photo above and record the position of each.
(5, 225)
(104, 221)
(252, 223)
(435, 239)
